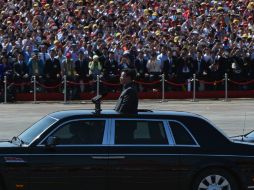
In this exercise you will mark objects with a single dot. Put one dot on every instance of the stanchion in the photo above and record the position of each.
(98, 85)
(5, 89)
(163, 88)
(34, 81)
(194, 88)
(65, 89)
(226, 87)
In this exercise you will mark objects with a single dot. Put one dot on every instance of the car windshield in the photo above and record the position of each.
(36, 129)
(250, 135)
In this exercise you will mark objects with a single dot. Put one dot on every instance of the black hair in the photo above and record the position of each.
(130, 73)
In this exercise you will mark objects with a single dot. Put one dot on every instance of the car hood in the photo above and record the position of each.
(6, 143)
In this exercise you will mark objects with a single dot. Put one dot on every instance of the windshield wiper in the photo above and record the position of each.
(17, 139)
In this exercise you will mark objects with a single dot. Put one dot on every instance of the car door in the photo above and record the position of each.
(14, 168)
(72, 163)
(186, 143)
(141, 155)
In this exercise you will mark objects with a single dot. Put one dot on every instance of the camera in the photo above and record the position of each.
(96, 99)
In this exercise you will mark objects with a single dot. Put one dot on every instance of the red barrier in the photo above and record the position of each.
(148, 83)
(110, 84)
(142, 95)
(22, 84)
(71, 83)
(211, 83)
(49, 87)
(175, 84)
(242, 83)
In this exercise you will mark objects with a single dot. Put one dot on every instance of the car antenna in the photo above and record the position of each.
(97, 102)
(244, 125)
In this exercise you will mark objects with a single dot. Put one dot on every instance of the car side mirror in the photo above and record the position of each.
(51, 141)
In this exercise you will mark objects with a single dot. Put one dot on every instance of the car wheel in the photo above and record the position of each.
(214, 179)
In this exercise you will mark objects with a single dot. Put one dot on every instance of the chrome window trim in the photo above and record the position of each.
(128, 154)
(106, 132)
(53, 117)
(77, 145)
(184, 145)
(169, 133)
(112, 138)
(112, 132)
(151, 145)
(105, 135)
(38, 136)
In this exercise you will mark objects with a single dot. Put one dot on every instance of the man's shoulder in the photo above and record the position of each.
(131, 90)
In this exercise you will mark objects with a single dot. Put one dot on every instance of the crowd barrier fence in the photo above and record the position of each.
(65, 84)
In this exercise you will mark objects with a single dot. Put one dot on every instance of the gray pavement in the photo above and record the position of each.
(232, 117)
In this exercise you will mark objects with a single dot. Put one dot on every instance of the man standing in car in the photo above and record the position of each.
(128, 100)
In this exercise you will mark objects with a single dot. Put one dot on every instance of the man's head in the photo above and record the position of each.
(35, 53)
(52, 53)
(127, 76)
(20, 56)
(81, 55)
(199, 54)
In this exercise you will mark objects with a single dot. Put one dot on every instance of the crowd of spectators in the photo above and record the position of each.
(85, 38)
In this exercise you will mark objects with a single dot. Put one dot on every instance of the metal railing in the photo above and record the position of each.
(191, 85)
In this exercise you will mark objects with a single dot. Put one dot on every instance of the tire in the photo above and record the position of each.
(215, 179)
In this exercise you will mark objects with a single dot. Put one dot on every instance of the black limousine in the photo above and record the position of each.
(83, 149)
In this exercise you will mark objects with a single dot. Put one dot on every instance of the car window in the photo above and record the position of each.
(36, 129)
(140, 132)
(80, 132)
(250, 135)
(181, 135)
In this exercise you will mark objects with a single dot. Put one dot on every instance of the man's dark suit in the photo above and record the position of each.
(128, 100)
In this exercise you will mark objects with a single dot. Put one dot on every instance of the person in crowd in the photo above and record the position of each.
(69, 71)
(215, 73)
(61, 57)
(125, 62)
(236, 69)
(163, 56)
(247, 69)
(200, 69)
(111, 70)
(5, 70)
(52, 70)
(36, 67)
(185, 69)
(154, 69)
(95, 67)
(169, 65)
(141, 69)
(82, 70)
(43, 55)
(20, 73)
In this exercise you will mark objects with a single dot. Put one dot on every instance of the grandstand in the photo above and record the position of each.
(62, 46)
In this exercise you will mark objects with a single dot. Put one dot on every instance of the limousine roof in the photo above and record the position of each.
(106, 113)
